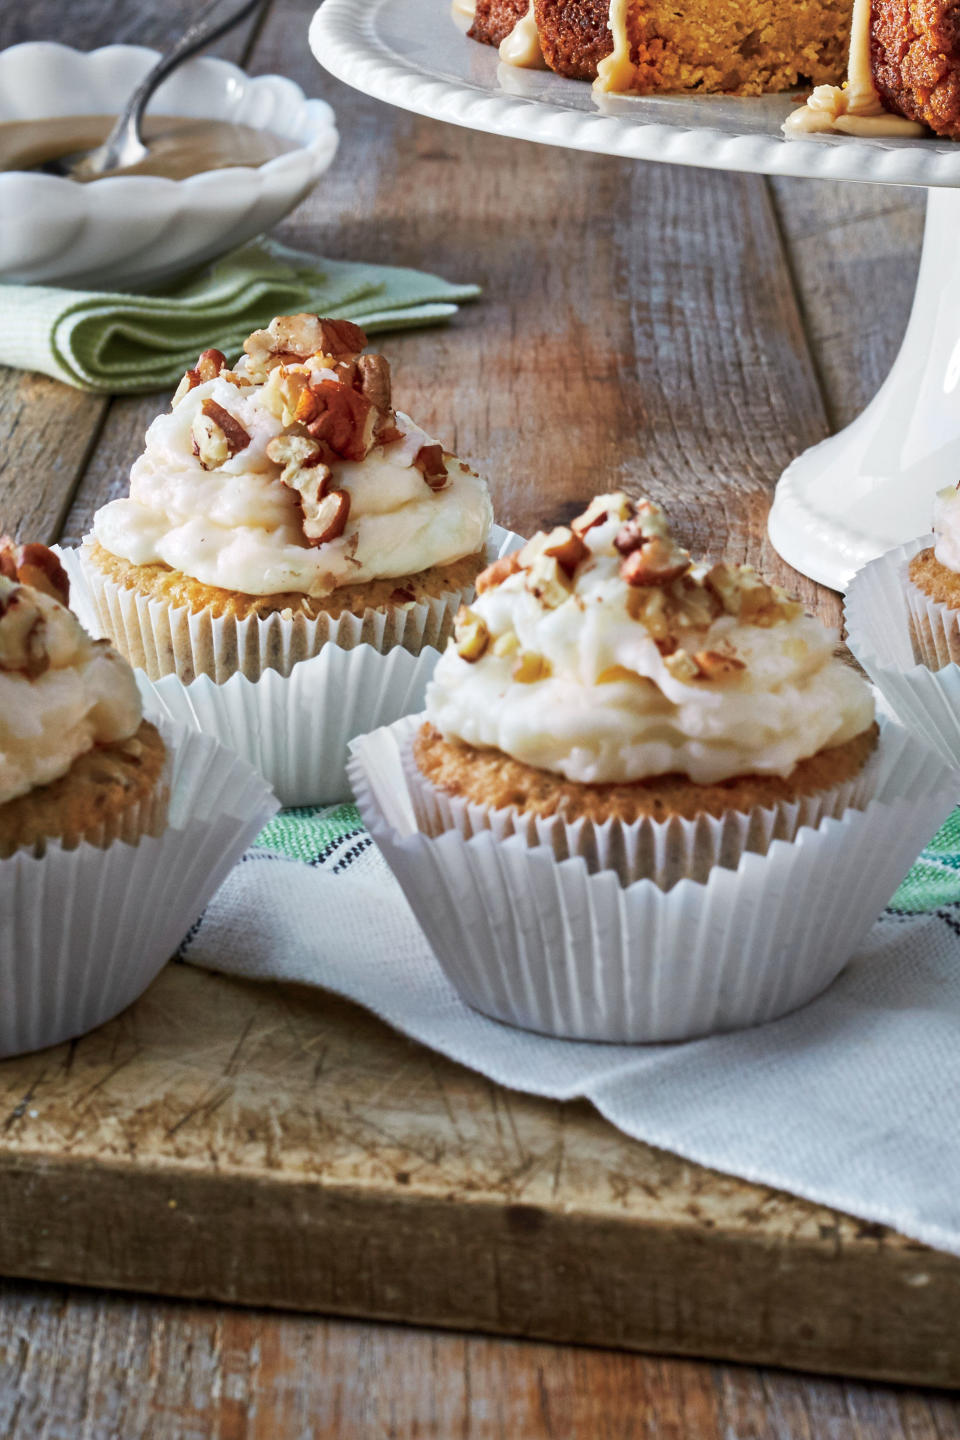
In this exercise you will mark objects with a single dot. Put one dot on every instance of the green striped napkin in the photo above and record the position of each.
(329, 836)
(120, 343)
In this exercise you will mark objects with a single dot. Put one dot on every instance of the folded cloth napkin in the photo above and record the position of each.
(117, 343)
(851, 1102)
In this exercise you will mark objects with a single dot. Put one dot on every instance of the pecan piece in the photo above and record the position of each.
(302, 336)
(345, 419)
(35, 565)
(657, 562)
(499, 571)
(304, 472)
(429, 461)
(208, 367)
(471, 635)
(566, 548)
(600, 510)
(236, 436)
(530, 667)
(718, 665)
(373, 382)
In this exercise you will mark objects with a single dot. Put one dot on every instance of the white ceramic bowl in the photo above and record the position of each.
(136, 230)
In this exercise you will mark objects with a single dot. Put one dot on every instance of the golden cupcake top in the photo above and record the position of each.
(61, 693)
(293, 471)
(602, 651)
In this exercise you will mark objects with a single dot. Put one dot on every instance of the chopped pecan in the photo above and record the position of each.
(345, 420)
(548, 582)
(208, 367)
(429, 461)
(22, 631)
(656, 562)
(470, 634)
(302, 336)
(35, 565)
(530, 667)
(388, 435)
(743, 593)
(718, 665)
(283, 392)
(236, 436)
(325, 512)
(566, 548)
(499, 571)
(600, 510)
(682, 666)
(304, 472)
(373, 382)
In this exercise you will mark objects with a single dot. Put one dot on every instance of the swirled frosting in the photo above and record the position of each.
(250, 514)
(61, 693)
(603, 654)
(946, 527)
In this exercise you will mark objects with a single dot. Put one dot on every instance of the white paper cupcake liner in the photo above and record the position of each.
(163, 639)
(665, 852)
(544, 944)
(84, 931)
(295, 728)
(878, 616)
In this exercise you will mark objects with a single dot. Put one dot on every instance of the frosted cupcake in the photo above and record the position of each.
(77, 759)
(932, 587)
(601, 677)
(647, 801)
(280, 505)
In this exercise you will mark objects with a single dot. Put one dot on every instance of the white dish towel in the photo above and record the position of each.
(853, 1102)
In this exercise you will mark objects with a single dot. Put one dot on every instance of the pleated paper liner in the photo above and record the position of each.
(294, 728)
(543, 943)
(163, 639)
(665, 852)
(84, 931)
(883, 612)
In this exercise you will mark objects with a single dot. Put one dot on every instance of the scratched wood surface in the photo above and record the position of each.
(679, 332)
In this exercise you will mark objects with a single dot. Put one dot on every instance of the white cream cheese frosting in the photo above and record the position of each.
(711, 674)
(946, 527)
(61, 693)
(235, 524)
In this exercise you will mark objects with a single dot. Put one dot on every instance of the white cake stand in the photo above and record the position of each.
(856, 494)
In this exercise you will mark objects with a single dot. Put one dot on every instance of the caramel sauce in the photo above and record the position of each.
(180, 145)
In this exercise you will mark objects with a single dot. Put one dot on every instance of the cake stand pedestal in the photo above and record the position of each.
(871, 486)
(860, 492)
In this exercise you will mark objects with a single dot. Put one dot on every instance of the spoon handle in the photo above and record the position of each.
(126, 131)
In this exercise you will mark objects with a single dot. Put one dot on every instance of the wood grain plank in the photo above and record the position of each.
(271, 1145)
(99, 1366)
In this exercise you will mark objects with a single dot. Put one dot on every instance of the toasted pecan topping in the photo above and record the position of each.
(429, 461)
(236, 436)
(567, 548)
(718, 664)
(301, 336)
(344, 419)
(208, 367)
(530, 667)
(601, 509)
(499, 571)
(35, 565)
(373, 381)
(655, 562)
(470, 634)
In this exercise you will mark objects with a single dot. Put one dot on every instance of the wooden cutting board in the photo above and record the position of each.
(272, 1145)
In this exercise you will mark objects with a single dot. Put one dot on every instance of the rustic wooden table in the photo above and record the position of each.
(675, 331)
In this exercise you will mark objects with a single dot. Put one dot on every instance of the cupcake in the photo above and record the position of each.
(931, 581)
(602, 677)
(647, 800)
(282, 504)
(114, 833)
(77, 759)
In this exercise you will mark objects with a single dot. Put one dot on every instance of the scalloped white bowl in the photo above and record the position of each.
(136, 230)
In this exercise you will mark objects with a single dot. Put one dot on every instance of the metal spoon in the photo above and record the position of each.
(123, 147)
